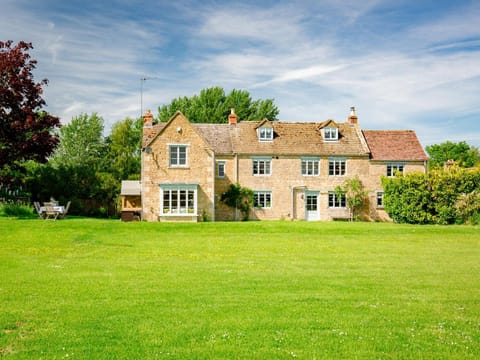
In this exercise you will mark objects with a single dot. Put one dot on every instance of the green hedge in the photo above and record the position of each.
(434, 198)
(16, 210)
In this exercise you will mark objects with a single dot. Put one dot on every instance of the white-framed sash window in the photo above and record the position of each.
(393, 168)
(221, 169)
(262, 166)
(336, 200)
(337, 166)
(265, 133)
(178, 199)
(262, 199)
(178, 155)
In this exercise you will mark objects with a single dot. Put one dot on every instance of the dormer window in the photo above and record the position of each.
(265, 133)
(331, 134)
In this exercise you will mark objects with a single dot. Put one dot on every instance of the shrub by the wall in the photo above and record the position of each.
(418, 198)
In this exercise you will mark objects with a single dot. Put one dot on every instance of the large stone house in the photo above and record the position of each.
(293, 167)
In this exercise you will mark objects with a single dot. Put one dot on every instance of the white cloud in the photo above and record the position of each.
(275, 25)
(315, 58)
(93, 63)
(307, 74)
(457, 25)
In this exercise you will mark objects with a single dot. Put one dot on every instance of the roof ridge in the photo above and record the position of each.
(390, 130)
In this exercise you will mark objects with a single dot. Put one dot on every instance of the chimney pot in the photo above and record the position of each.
(148, 119)
(353, 119)
(232, 118)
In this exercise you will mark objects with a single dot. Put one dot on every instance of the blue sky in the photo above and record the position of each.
(403, 64)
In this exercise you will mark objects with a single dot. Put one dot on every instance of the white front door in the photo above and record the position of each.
(311, 206)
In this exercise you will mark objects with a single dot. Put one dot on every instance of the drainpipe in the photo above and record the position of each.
(236, 181)
(141, 184)
(214, 169)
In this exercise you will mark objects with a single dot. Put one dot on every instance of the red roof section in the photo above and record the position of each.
(394, 145)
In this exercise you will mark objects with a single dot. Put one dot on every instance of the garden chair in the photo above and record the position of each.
(66, 210)
(51, 213)
(39, 211)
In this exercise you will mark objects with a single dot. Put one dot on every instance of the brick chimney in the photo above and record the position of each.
(232, 118)
(352, 118)
(148, 119)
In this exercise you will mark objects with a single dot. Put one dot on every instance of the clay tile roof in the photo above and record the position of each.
(150, 133)
(289, 138)
(217, 136)
(394, 145)
(294, 138)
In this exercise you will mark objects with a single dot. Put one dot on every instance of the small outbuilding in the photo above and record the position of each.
(131, 194)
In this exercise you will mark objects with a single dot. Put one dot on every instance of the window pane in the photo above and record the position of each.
(174, 206)
(191, 201)
(183, 201)
(173, 155)
(166, 201)
(268, 200)
(380, 199)
(221, 170)
(389, 170)
(182, 155)
(308, 168)
(331, 200)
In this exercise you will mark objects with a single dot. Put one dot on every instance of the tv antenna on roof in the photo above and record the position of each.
(142, 81)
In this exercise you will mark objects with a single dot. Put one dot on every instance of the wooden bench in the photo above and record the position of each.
(339, 214)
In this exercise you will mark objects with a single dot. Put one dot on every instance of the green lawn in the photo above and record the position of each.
(102, 289)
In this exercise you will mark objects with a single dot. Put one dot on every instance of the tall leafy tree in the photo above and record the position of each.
(81, 143)
(82, 162)
(25, 128)
(124, 152)
(462, 153)
(212, 105)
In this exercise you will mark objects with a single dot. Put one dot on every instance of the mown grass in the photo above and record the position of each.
(102, 289)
